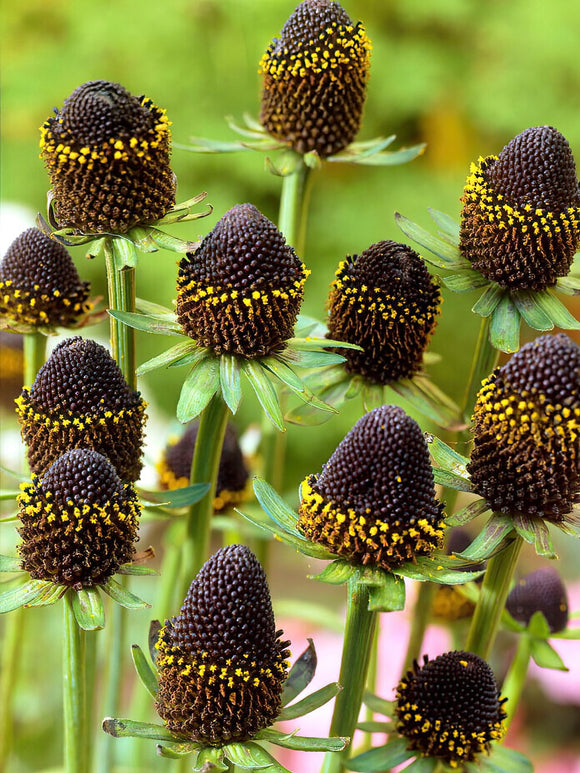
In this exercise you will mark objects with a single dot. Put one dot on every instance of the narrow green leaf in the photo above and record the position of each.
(378, 705)
(468, 513)
(569, 285)
(446, 224)
(254, 757)
(175, 498)
(265, 392)
(167, 357)
(300, 544)
(6, 495)
(128, 728)
(466, 281)
(303, 742)
(144, 671)
(381, 757)
(136, 569)
(199, 387)
(273, 504)
(425, 568)
(489, 539)
(389, 596)
(508, 760)
(534, 530)
(19, 594)
(152, 309)
(531, 311)
(124, 253)
(146, 323)
(487, 302)
(50, 594)
(556, 311)
(230, 381)
(373, 727)
(208, 760)
(171, 243)
(301, 674)
(446, 457)
(122, 596)
(373, 396)
(311, 359)
(388, 158)
(448, 256)
(504, 330)
(451, 480)
(426, 398)
(538, 625)
(335, 573)
(422, 765)
(310, 703)
(10, 564)
(141, 238)
(314, 343)
(177, 753)
(88, 608)
(364, 149)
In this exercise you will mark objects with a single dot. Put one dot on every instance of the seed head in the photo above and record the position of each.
(450, 707)
(315, 77)
(79, 521)
(241, 291)
(526, 453)
(374, 501)
(221, 660)
(385, 301)
(540, 591)
(80, 399)
(107, 155)
(520, 225)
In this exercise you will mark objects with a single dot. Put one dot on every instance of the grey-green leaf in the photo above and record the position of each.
(144, 670)
(448, 256)
(146, 323)
(199, 387)
(88, 608)
(122, 596)
(265, 392)
(165, 359)
(230, 381)
(301, 674)
(556, 311)
(488, 300)
(531, 310)
(310, 703)
(504, 330)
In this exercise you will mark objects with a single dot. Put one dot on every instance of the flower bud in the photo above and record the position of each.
(540, 591)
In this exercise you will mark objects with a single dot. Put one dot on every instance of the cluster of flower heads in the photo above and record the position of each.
(222, 663)
(314, 79)
(107, 154)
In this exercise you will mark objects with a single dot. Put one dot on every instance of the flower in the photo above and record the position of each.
(543, 591)
(79, 521)
(374, 501)
(385, 301)
(39, 283)
(241, 290)
(314, 79)
(107, 155)
(520, 224)
(80, 398)
(450, 707)
(175, 466)
(222, 662)
(526, 455)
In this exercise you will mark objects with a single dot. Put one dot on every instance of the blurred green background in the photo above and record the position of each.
(464, 76)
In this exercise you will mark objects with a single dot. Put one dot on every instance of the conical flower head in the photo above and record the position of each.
(374, 501)
(385, 301)
(39, 283)
(175, 467)
(520, 225)
(80, 399)
(241, 290)
(221, 661)
(79, 521)
(450, 707)
(315, 76)
(526, 455)
(540, 591)
(107, 155)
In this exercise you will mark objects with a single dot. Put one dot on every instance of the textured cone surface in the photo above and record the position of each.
(175, 467)
(450, 707)
(107, 155)
(11, 368)
(374, 501)
(385, 301)
(526, 451)
(39, 283)
(314, 79)
(241, 291)
(540, 591)
(520, 225)
(80, 399)
(79, 521)
(222, 663)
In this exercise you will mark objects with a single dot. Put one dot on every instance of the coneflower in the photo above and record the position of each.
(540, 591)
(80, 399)
(314, 79)
(107, 155)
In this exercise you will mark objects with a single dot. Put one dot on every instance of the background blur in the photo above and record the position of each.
(464, 76)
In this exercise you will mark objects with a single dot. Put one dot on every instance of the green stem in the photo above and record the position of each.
(356, 653)
(515, 679)
(483, 363)
(34, 345)
(494, 591)
(121, 289)
(114, 656)
(74, 698)
(421, 614)
(204, 469)
(294, 201)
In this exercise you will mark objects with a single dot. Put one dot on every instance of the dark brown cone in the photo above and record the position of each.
(540, 591)
(107, 155)
(374, 501)
(520, 225)
(315, 78)
(450, 707)
(385, 301)
(221, 661)
(79, 521)
(526, 453)
(241, 291)
(80, 399)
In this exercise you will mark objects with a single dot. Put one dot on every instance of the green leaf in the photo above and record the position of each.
(310, 703)
(199, 387)
(448, 256)
(569, 285)
(230, 381)
(273, 504)
(389, 596)
(436, 570)
(504, 330)
(556, 311)
(6, 495)
(141, 238)
(175, 498)
(208, 759)
(507, 760)
(335, 573)
(546, 656)
(167, 357)
(295, 383)
(19, 594)
(422, 765)
(447, 225)
(378, 705)
(128, 728)
(265, 392)
(487, 302)
(388, 158)
(531, 311)
(426, 398)
(373, 727)
(171, 243)
(177, 753)
(152, 309)
(308, 359)
(444, 456)
(489, 539)
(468, 513)
(466, 281)
(451, 480)
(250, 755)
(381, 757)
(144, 670)
(302, 742)
(300, 544)
(314, 343)
(538, 625)
(88, 608)
(301, 674)
(124, 253)
(10, 564)
(146, 323)
(534, 530)
(136, 569)
(122, 596)
(50, 594)
(364, 149)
